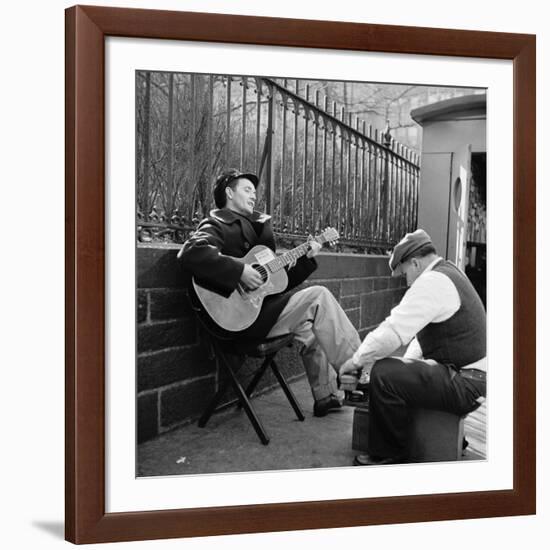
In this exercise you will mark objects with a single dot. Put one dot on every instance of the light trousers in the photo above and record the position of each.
(327, 336)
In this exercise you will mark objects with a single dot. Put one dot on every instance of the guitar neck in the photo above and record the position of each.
(288, 257)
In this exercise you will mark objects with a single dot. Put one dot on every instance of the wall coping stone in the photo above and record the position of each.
(157, 266)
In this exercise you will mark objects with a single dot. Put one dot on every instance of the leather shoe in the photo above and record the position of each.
(368, 460)
(356, 396)
(323, 406)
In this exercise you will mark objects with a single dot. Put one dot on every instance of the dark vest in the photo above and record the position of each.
(461, 339)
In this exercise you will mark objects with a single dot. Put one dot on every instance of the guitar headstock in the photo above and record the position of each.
(329, 235)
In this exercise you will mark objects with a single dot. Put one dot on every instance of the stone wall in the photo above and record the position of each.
(176, 374)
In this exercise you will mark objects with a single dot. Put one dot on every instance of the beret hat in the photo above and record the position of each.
(225, 178)
(409, 244)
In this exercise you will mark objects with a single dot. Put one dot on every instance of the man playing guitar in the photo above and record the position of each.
(213, 256)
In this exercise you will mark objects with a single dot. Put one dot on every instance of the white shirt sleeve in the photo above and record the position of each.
(432, 298)
(377, 344)
(414, 351)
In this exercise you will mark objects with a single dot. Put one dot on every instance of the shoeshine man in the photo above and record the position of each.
(211, 255)
(444, 368)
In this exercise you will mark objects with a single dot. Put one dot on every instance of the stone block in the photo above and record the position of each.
(364, 285)
(367, 285)
(397, 282)
(168, 334)
(387, 303)
(385, 306)
(351, 302)
(351, 287)
(345, 265)
(333, 286)
(183, 401)
(381, 283)
(169, 304)
(373, 310)
(397, 295)
(157, 266)
(158, 369)
(142, 301)
(354, 317)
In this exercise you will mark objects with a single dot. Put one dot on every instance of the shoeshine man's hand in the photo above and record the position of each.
(349, 366)
(250, 278)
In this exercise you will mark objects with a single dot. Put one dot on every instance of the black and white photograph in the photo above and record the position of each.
(261, 259)
(311, 273)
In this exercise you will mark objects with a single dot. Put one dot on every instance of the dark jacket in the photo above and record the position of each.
(209, 255)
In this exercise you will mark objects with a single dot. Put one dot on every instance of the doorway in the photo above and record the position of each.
(476, 243)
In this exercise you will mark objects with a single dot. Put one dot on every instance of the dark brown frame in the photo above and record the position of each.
(86, 29)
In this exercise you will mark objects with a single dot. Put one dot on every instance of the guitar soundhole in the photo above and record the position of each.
(261, 270)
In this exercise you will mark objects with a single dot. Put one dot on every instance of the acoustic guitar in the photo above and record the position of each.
(238, 311)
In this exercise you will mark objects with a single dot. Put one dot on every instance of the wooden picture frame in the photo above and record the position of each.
(86, 30)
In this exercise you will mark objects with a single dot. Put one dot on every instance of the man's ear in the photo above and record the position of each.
(228, 193)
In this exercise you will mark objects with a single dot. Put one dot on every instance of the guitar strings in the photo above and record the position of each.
(278, 263)
(262, 271)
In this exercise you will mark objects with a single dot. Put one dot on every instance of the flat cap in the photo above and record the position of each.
(409, 244)
(225, 178)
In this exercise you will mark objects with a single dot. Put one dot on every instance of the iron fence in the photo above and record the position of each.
(318, 165)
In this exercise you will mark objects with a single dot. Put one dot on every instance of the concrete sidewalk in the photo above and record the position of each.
(229, 443)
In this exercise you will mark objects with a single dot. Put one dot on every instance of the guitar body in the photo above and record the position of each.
(242, 307)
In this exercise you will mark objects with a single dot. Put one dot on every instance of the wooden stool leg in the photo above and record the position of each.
(243, 395)
(243, 399)
(209, 411)
(257, 377)
(212, 405)
(288, 392)
(251, 413)
(254, 382)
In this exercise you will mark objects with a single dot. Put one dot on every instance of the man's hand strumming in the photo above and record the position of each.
(250, 278)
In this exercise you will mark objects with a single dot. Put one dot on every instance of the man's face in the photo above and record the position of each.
(411, 269)
(243, 198)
